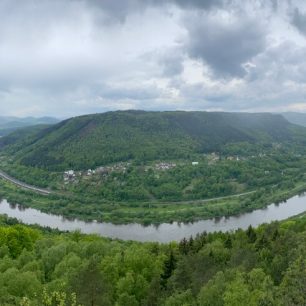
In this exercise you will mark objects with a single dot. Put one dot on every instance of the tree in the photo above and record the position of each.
(237, 293)
(185, 298)
(169, 266)
(212, 292)
(90, 286)
(293, 287)
(251, 234)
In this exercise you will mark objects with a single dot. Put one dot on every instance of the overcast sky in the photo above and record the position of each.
(69, 57)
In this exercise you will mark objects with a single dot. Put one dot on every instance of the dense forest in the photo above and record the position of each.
(263, 266)
(94, 140)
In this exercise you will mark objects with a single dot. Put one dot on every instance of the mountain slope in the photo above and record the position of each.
(10, 124)
(295, 118)
(93, 140)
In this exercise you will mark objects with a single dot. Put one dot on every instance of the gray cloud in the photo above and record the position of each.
(119, 10)
(225, 46)
(132, 94)
(171, 62)
(299, 21)
(200, 4)
(274, 4)
(67, 57)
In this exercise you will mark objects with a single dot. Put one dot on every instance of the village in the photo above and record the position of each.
(73, 176)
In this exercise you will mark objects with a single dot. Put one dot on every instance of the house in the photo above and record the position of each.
(102, 170)
(164, 166)
(194, 163)
(69, 175)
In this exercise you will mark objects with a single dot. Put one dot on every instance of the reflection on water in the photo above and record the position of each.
(164, 232)
(18, 206)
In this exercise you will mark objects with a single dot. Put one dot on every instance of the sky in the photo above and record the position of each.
(70, 57)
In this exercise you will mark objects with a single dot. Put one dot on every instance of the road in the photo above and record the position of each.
(23, 185)
(206, 200)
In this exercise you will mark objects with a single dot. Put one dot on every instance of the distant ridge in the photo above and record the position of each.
(10, 124)
(296, 118)
(93, 140)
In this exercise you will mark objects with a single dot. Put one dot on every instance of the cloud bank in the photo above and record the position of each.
(70, 57)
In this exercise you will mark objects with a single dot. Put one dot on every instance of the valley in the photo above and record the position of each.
(152, 153)
(256, 167)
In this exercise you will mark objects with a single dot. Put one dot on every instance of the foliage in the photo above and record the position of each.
(263, 266)
(94, 140)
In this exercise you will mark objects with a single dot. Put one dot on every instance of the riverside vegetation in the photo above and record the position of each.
(156, 196)
(263, 266)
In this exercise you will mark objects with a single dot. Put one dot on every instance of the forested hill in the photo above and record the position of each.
(93, 140)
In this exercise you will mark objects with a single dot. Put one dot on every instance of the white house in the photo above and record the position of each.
(69, 173)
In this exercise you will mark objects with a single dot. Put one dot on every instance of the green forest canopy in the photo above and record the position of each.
(263, 266)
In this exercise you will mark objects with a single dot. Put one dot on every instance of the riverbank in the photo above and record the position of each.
(165, 232)
(87, 209)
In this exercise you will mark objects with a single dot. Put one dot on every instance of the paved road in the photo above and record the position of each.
(23, 185)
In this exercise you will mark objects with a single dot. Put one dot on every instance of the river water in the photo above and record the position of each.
(164, 232)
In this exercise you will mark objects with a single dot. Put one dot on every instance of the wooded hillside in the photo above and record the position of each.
(94, 140)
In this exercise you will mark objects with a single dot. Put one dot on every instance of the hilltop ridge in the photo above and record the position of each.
(93, 140)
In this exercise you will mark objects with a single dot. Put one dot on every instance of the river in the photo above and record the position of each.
(164, 232)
